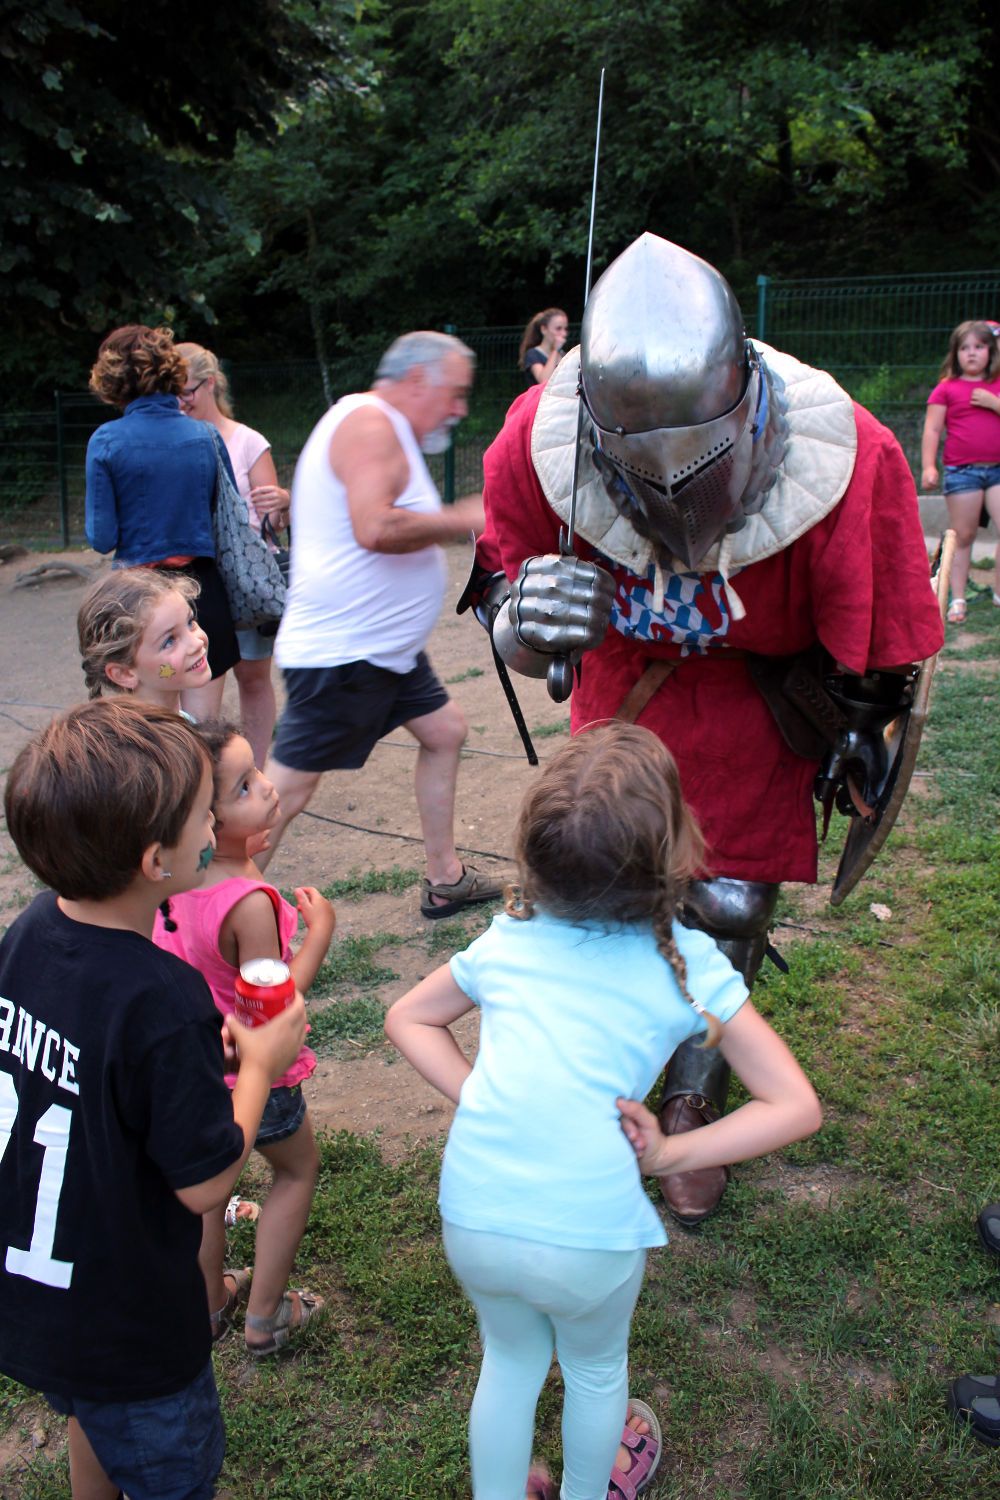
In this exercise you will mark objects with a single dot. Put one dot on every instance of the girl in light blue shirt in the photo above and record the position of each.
(585, 986)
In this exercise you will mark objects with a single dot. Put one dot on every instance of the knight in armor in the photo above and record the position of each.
(749, 581)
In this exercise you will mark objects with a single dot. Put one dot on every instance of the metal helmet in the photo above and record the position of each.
(676, 394)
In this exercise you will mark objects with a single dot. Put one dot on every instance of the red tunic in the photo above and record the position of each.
(857, 582)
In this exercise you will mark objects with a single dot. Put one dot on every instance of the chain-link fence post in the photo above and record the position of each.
(61, 469)
(761, 333)
(449, 454)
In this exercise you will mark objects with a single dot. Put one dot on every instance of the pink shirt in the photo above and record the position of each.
(199, 915)
(244, 447)
(972, 434)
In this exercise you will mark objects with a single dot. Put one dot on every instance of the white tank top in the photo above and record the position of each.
(346, 603)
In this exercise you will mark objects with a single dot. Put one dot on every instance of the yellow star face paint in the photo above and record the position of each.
(166, 670)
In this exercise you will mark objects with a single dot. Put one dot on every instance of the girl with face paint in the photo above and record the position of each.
(138, 634)
(233, 917)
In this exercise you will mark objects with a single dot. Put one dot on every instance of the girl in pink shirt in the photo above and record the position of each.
(239, 917)
(965, 405)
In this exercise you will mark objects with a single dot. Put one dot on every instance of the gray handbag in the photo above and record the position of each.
(251, 575)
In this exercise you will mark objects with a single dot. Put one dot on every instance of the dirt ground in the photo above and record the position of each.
(375, 1091)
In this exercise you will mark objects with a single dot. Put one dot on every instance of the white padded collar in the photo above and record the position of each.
(815, 472)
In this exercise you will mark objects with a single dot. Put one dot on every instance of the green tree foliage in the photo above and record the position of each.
(452, 183)
(110, 113)
(777, 136)
(383, 164)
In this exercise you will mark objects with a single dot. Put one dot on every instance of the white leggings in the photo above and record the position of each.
(530, 1297)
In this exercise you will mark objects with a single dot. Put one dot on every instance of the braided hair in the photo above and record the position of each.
(605, 835)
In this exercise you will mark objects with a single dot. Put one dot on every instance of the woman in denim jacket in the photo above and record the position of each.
(151, 481)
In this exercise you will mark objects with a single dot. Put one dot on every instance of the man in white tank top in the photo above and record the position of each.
(368, 580)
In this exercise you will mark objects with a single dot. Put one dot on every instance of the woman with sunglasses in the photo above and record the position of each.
(206, 397)
(150, 484)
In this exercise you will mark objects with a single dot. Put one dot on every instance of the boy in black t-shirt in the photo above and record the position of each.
(117, 1131)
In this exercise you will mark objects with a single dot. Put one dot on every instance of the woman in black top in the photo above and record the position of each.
(541, 346)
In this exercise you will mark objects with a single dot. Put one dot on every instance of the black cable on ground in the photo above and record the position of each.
(406, 838)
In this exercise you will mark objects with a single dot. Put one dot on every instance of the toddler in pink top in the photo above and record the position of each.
(198, 927)
(238, 917)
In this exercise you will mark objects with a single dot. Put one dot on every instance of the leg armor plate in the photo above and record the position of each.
(737, 914)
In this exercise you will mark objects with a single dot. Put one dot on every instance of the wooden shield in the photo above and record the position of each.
(864, 839)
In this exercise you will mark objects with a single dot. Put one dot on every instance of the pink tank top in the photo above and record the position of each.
(199, 915)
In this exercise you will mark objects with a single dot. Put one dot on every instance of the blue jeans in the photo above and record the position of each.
(960, 479)
(169, 1448)
(530, 1297)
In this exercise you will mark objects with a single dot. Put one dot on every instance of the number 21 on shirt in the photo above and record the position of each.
(52, 1134)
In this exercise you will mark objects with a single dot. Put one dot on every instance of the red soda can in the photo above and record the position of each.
(263, 990)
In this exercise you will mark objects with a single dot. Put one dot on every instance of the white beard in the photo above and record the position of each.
(438, 441)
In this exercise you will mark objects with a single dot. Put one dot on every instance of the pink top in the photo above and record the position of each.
(199, 915)
(244, 447)
(972, 434)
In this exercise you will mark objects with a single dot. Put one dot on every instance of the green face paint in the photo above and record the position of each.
(205, 857)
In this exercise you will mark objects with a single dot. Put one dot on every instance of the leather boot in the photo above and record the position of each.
(691, 1196)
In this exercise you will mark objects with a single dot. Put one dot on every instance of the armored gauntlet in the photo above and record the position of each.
(559, 606)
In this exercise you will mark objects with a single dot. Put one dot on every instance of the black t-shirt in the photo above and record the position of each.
(111, 1096)
(533, 357)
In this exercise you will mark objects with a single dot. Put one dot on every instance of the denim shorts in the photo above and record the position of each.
(335, 716)
(169, 1448)
(283, 1114)
(960, 478)
(254, 646)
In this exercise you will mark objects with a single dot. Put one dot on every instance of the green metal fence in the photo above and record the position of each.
(43, 452)
(861, 324)
(882, 337)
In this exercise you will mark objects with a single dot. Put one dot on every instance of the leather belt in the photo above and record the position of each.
(652, 678)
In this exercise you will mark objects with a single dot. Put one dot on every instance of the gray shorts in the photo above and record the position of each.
(335, 716)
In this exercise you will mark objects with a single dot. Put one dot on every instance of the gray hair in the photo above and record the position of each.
(426, 348)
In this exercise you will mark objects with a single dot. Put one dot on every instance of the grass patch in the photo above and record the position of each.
(357, 884)
(351, 963)
(358, 1022)
(447, 937)
(466, 676)
(546, 731)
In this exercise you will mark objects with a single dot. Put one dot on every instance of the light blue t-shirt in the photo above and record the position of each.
(572, 1017)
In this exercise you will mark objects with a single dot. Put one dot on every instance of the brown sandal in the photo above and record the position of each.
(471, 887)
(222, 1320)
(283, 1324)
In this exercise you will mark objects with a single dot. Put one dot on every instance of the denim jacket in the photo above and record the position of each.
(150, 483)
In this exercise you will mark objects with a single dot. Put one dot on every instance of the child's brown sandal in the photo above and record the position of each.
(222, 1320)
(282, 1325)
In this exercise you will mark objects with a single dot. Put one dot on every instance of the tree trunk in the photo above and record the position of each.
(315, 318)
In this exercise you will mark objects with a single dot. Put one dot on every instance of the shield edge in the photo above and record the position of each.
(864, 841)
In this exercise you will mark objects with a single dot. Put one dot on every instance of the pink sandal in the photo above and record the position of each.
(645, 1448)
(540, 1484)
